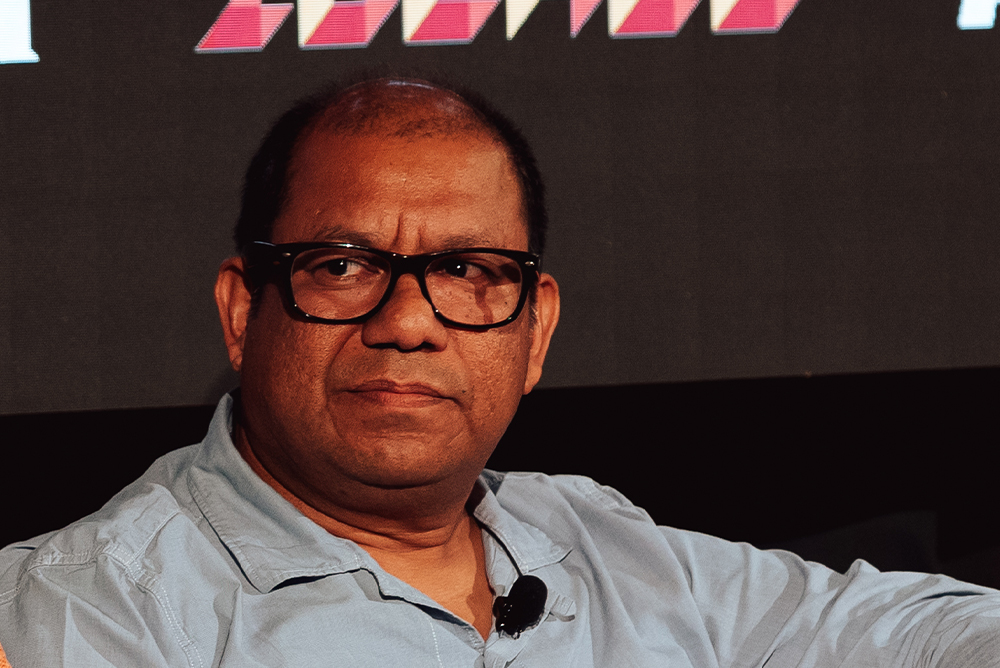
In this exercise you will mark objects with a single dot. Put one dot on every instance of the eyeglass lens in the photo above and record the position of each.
(467, 288)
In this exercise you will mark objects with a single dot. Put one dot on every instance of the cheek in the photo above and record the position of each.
(285, 364)
(500, 370)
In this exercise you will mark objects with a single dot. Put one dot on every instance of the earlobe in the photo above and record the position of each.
(232, 296)
(546, 318)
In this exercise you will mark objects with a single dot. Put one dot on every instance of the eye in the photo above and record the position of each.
(343, 267)
(461, 269)
(337, 268)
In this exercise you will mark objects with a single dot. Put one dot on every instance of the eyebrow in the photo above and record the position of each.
(337, 234)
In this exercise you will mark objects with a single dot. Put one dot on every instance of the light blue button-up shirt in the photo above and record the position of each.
(200, 563)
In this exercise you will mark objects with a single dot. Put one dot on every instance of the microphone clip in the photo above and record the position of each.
(522, 607)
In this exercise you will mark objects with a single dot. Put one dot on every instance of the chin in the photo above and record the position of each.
(403, 463)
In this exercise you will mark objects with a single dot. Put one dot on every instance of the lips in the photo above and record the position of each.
(395, 393)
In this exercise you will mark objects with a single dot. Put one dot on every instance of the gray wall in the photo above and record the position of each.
(819, 200)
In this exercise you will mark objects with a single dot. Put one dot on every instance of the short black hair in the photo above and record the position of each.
(266, 184)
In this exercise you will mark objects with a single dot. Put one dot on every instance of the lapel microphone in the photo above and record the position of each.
(522, 607)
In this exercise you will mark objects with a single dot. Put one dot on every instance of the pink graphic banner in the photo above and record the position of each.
(244, 25)
(350, 23)
(451, 22)
(248, 25)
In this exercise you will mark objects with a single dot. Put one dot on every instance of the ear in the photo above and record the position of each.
(546, 318)
(232, 296)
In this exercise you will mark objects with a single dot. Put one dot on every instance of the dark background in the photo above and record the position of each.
(896, 468)
(817, 200)
(778, 256)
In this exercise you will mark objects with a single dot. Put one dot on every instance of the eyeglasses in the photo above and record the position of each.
(472, 288)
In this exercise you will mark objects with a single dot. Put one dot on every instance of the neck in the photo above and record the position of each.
(404, 519)
(439, 553)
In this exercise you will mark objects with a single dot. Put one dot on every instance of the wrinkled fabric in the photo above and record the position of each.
(200, 563)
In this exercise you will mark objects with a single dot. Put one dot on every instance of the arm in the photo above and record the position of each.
(770, 607)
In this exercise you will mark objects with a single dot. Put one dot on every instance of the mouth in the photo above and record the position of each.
(400, 394)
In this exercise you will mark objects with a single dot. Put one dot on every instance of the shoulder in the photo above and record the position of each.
(121, 531)
(104, 585)
(568, 507)
(587, 516)
(574, 491)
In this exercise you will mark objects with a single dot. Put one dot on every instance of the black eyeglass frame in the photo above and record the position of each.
(265, 261)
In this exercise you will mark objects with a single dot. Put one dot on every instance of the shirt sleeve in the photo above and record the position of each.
(773, 608)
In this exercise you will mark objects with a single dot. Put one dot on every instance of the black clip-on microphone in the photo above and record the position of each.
(522, 607)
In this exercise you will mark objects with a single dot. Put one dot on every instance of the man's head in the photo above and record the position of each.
(381, 409)
(265, 191)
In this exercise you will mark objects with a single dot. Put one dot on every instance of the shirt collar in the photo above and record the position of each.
(529, 548)
(273, 542)
(268, 537)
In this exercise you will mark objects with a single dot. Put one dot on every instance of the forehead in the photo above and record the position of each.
(424, 176)
(399, 108)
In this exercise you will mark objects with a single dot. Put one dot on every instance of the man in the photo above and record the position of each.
(386, 314)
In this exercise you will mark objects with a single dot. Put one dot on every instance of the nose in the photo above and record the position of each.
(406, 322)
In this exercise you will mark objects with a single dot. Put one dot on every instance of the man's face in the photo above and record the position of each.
(400, 400)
